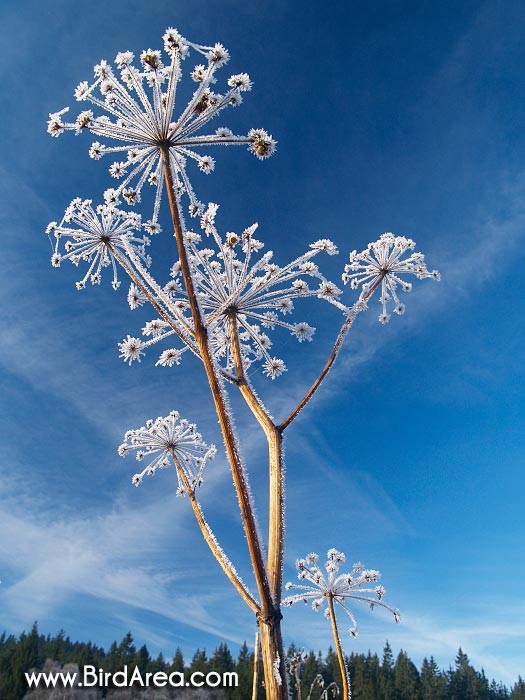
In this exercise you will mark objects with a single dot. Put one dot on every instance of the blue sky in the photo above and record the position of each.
(401, 116)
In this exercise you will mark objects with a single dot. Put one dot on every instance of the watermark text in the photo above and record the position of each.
(90, 677)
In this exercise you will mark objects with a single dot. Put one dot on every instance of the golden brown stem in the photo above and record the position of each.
(255, 667)
(212, 543)
(201, 339)
(276, 469)
(271, 638)
(270, 616)
(158, 308)
(272, 651)
(339, 649)
(333, 355)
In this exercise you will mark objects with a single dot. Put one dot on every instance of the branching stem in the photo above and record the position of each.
(276, 468)
(150, 297)
(333, 355)
(209, 537)
(201, 337)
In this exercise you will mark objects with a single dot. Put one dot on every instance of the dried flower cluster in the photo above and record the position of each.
(98, 237)
(235, 286)
(169, 439)
(138, 106)
(383, 263)
(338, 587)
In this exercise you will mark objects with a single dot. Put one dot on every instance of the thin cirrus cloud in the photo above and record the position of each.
(424, 634)
(117, 557)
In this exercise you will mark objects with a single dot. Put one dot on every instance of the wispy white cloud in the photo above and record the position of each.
(133, 557)
(479, 633)
(422, 634)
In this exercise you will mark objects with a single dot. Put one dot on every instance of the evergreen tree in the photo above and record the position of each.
(86, 654)
(356, 668)
(178, 662)
(244, 669)
(112, 661)
(27, 654)
(142, 659)
(58, 648)
(7, 652)
(518, 692)
(199, 662)
(386, 678)
(497, 691)
(371, 680)
(222, 660)
(433, 681)
(127, 650)
(464, 682)
(158, 664)
(331, 670)
(407, 682)
(310, 670)
(483, 686)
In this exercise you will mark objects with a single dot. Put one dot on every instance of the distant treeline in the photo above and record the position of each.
(372, 677)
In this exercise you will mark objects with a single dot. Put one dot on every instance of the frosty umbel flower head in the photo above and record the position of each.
(339, 587)
(170, 439)
(96, 236)
(138, 112)
(242, 292)
(382, 264)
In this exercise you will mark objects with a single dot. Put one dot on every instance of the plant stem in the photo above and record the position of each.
(269, 617)
(339, 649)
(134, 276)
(333, 355)
(212, 543)
(276, 469)
(255, 667)
(201, 338)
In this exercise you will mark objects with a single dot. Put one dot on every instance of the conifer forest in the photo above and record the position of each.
(385, 677)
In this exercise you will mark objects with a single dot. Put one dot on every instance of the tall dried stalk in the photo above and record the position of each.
(157, 150)
(339, 650)
(269, 617)
(255, 681)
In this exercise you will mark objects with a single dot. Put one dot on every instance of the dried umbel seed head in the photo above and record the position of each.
(166, 440)
(99, 237)
(140, 119)
(316, 587)
(245, 294)
(384, 264)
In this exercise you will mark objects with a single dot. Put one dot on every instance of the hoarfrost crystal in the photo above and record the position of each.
(241, 293)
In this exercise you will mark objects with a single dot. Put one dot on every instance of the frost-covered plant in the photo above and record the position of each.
(242, 297)
(97, 236)
(138, 106)
(383, 262)
(172, 439)
(333, 587)
(295, 665)
(165, 438)
(223, 301)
